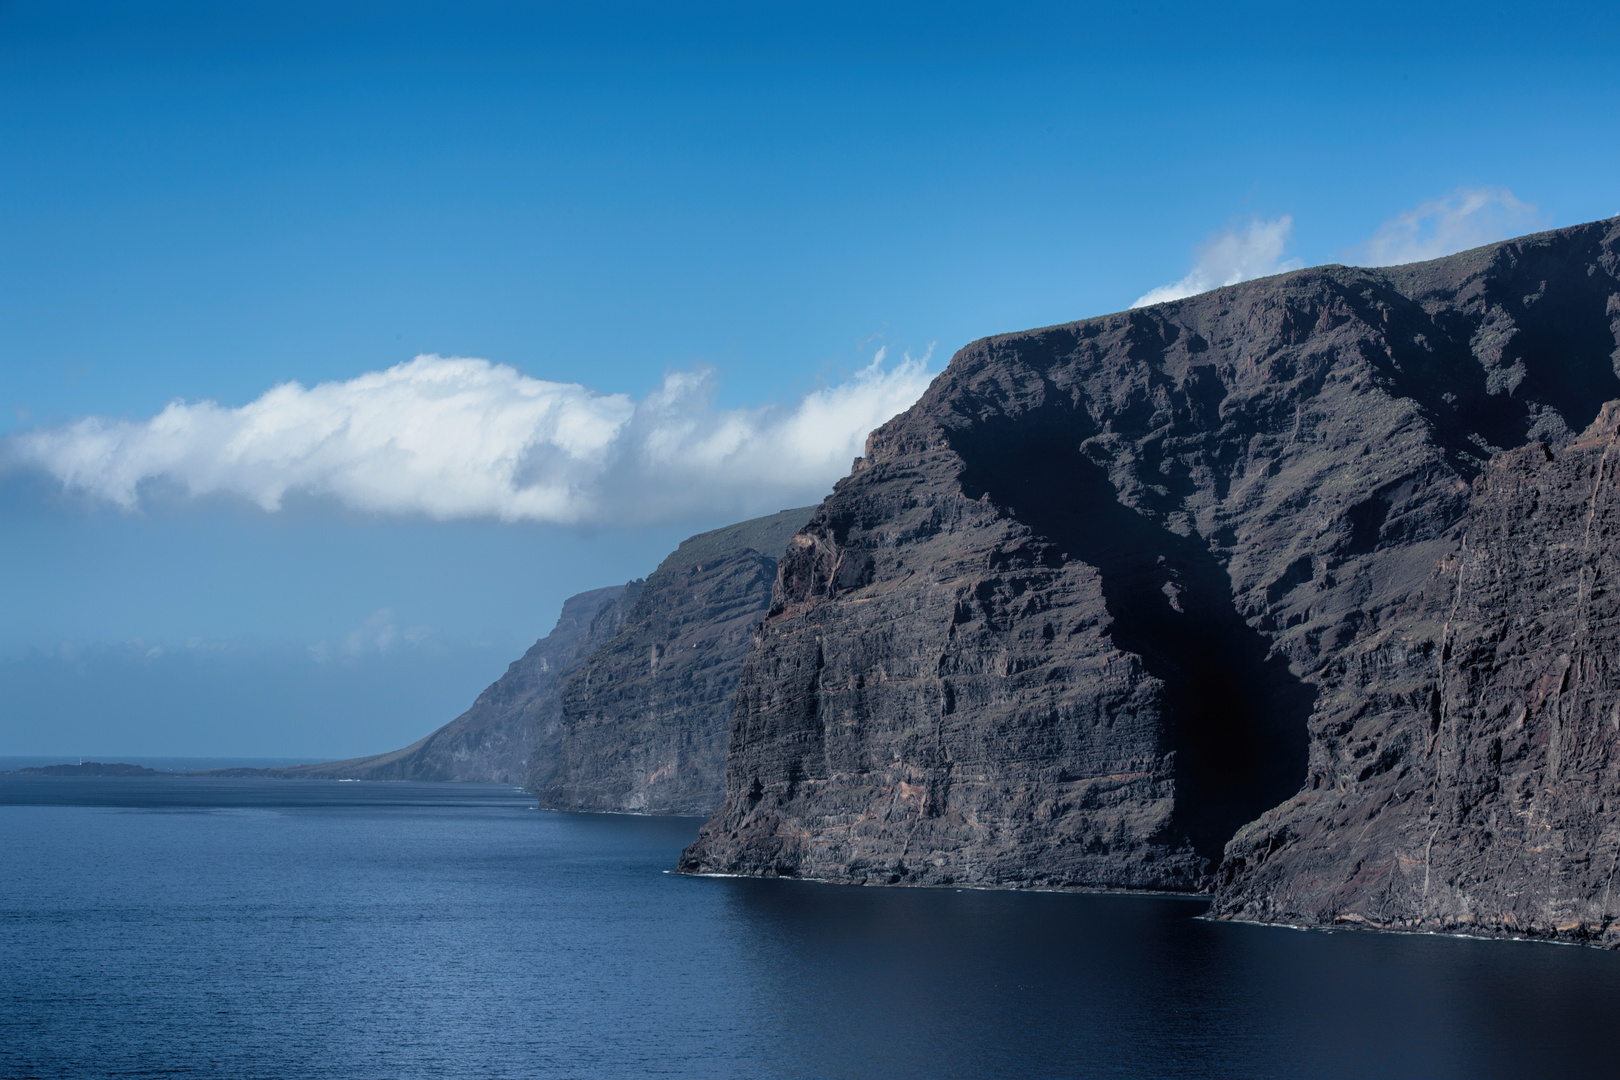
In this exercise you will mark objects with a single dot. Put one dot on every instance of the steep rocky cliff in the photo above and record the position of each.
(1074, 618)
(513, 726)
(1464, 772)
(644, 722)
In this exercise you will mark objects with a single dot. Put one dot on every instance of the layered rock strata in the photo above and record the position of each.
(1464, 769)
(1073, 619)
(644, 722)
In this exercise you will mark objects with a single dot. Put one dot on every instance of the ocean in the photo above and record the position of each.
(188, 927)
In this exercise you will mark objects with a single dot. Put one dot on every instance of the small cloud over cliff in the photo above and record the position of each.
(1230, 256)
(464, 438)
(1466, 218)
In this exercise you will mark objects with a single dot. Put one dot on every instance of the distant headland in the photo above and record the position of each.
(91, 768)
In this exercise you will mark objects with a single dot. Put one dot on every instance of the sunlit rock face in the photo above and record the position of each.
(1079, 616)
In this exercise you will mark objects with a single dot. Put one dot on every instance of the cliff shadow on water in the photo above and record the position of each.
(1233, 714)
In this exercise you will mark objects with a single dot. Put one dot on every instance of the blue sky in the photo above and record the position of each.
(202, 202)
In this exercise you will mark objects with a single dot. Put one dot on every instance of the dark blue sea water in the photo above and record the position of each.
(289, 930)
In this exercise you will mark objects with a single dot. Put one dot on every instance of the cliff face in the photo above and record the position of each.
(1074, 618)
(643, 724)
(1464, 772)
(512, 729)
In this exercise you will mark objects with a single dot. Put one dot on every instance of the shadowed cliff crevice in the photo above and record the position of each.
(1505, 359)
(1237, 715)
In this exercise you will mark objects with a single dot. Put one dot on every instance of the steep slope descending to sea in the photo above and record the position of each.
(1073, 619)
(644, 722)
(511, 730)
(1464, 772)
(649, 721)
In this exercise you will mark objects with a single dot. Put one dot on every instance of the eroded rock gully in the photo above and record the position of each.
(1085, 610)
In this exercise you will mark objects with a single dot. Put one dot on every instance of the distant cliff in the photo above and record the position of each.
(626, 704)
(512, 728)
(644, 722)
(1111, 591)
(90, 768)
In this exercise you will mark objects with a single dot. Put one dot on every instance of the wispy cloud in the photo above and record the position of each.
(1233, 255)
(378, 634)
(1466, 218)
(462, 438)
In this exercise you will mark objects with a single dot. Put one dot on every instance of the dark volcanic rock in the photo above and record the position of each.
(513, 726)
(1070, 620)
(645, 721)
(1464, 772)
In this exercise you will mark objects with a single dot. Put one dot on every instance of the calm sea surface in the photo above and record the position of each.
(289, 930)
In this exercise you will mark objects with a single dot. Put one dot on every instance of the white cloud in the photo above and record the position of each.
(460, 438)
(376, 633)
(1233, 255)
(1466, 218)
